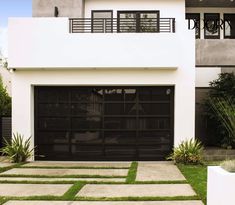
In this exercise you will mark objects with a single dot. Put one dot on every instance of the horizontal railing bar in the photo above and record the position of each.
(122, 25)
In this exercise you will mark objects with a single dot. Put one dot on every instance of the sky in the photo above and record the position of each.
(11, 8)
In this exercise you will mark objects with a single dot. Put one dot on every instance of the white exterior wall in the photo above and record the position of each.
(44, 53)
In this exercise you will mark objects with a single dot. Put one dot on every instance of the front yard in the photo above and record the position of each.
(196, 176)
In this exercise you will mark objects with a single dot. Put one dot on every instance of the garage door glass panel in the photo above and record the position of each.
(154, 109)
(54, 123)
(53, 137)
(86, 123)
(58, 109)
(84, 109)
(120, 109)
(87, 137)
(154, 123)
(120, 138)
(119, 123)
(104, 123)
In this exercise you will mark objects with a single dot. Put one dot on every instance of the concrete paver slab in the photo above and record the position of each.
(64, 172)
(5, 164)
(62, 179)
(78, 164)
(137, 190)
(152, 171)
(104, 203)
(19, 190)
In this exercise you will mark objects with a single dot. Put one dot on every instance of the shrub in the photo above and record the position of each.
(5, 100)
(188, 152)
(224, 108)
(228, 165)
(17, 150)
(223, 87)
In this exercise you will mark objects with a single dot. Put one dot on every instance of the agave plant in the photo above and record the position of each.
(188, 152)
(225, 110)
(17, 149)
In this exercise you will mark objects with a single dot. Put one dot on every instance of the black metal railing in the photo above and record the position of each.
(122, 25)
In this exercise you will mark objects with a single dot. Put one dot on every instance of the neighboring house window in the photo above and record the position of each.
(229, 25)
(194, 23)
(138, 21)
(102, 21)
(212, 27)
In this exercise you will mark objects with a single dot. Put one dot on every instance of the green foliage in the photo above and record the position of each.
(5, 100)
(223, 87)
(188, 152)
(228, 165)
(17, 150)
(224, 109)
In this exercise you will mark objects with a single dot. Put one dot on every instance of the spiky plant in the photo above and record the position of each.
(188, 152)
(17, 149)
(225, 110)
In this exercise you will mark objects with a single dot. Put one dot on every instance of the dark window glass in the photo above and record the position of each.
(54, 123)
(194, 23)
(212, 28)
(120, 138)
(154, 109)
(120, 109)
(87, 95)
(86, 123)
(119, 123)
(154, 123)
(86, 137)
(86, 109)
(229, 26)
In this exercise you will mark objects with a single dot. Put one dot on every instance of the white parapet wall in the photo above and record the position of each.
(220, 187)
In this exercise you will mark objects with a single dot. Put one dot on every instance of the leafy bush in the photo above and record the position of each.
(228, 165)
(188, 152)
(5, 100)
(223, 87)
(224, 108)
(17, 150)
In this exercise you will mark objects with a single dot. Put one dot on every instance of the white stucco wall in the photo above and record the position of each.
(204, 75)
(23, 81)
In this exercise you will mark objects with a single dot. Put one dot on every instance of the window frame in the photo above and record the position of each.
(198, 15)
(228, 37)
(211, 37)
(101, 11)
(138, 13)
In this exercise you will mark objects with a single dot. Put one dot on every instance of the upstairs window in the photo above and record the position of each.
(102, 21)
(212, 25)
(194, 23)
(138, 21)
(229, 26)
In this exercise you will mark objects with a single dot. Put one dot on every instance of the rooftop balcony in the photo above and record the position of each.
(46, 43)
(122, 25)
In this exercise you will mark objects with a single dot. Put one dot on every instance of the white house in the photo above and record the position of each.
(106, 80)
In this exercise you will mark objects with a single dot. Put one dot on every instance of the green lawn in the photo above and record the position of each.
(196, 175)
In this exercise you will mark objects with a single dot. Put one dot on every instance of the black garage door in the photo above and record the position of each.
(104, 123)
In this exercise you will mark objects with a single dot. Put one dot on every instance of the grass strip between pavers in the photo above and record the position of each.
(71, 193)
(62, 176)
(59, 167)
(131, 176)
(88, 182)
